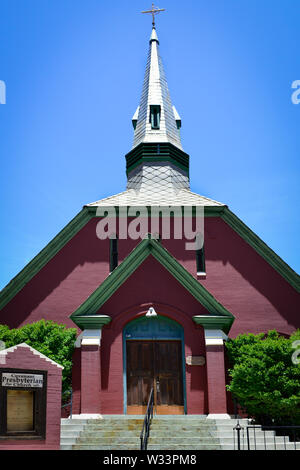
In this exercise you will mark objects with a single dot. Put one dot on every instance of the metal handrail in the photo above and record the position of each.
(294, 430)
(147, 422)
(70, 402)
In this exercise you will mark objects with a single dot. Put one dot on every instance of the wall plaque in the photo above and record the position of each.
(25, 397)
(10, 379)
(195, 360)
(20, 410)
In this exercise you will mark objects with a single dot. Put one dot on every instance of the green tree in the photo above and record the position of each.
(51, 339)
(264, 378)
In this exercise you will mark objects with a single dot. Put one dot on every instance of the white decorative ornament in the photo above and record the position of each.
(295, 358)
(151, 312)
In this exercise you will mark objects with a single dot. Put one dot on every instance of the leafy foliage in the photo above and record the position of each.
(264, 380)
(53, 340)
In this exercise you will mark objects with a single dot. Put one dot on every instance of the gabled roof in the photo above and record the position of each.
(89, 211)
(131, 197)
(44, 256)
(6, 351)
(122, 272)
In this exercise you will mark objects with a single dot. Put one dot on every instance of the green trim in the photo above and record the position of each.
(146, 247)
(262, 248)
(57, 243)
(212, 211)
(214, 322)
(156, 152)
(92, 322)
(44, 256)
(88, 212)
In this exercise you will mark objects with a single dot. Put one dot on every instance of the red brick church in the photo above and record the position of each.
(149, 311)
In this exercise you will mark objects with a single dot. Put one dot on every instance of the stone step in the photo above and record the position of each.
(199, 447)
(167, 433)
(155, 429)
(155, 425)
(103, 447)
(192, 425)
(156, 417)
(96, 440)
(100, 434)
(169, 417)
(69, 427)
(201, 432)
(289, 446)
(190, 418)
(162, 447)
(73, 422)
(163, 419)
(120, 422)
(168, 442)
(153, 435)
(130, 443)
(119, 447)
(155, 421)
(72, 430)
(116, 427)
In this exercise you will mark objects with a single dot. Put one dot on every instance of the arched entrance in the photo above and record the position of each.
(153, 357)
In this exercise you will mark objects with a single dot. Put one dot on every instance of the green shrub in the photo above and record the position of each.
(264, 379)
(53, 340)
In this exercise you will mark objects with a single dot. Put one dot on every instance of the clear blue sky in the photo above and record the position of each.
(74, 71)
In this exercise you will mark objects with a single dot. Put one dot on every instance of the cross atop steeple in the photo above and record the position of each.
(154, 11)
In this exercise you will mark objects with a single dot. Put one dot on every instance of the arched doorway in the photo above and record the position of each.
(153, 357)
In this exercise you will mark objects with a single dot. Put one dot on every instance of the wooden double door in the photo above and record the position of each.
(156, 364)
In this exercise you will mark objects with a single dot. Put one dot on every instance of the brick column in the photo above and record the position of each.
(89, 341)
(90, 372)
(215, 366)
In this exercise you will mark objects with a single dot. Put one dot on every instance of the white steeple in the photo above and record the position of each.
(157, 168)
(155, 119)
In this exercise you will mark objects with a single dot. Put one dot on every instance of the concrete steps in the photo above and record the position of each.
(167, 433)
(111, 433)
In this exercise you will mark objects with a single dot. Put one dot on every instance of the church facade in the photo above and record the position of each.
(154, 306)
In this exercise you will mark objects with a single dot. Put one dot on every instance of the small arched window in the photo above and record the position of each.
(155, 116)
(200, 260)
(113, 252)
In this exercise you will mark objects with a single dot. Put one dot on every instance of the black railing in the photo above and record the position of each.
(147, 422)
(70, 403)
(290, 437)
(237, 433)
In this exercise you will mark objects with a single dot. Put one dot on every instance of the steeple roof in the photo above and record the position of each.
(157, 168)
(155, 93)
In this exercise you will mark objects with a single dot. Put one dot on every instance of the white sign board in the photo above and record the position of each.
(22, 380)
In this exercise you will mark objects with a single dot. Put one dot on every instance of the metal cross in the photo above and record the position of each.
(155, 10)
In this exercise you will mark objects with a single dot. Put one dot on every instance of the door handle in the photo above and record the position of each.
(157, 384)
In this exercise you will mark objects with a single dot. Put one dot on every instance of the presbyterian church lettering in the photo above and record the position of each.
(22, 380)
